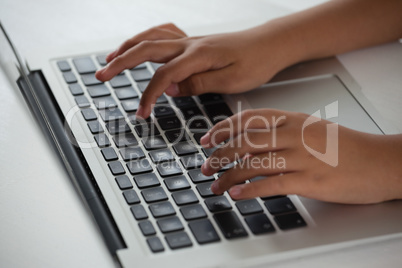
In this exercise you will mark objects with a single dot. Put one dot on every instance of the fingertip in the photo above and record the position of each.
(205, 140)
(236, 191)
(100, 74)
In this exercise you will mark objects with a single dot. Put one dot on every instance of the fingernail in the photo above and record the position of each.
(204, 167)
(172, 90)
(205, 139)
(215, 187)
(140, 111)
(235, 191)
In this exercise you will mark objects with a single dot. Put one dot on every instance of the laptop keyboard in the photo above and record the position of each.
(156, 162)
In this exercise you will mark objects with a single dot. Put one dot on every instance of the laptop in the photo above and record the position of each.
(141, 179)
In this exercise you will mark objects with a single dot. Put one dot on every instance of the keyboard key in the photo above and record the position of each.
(104, 102)
(177, 183)
(198, 125)
(139, 166)
(118, 126)
(230, 225)
(84, 65)
(123, 182)
(162, 99)
(290, 221)
(198, 135)
(138, 121)
(102, 140)
(126, 93)
(90, 80)
(184, 197)
(147, 228)
(259, 224)
(193, 212)
(131, 197)
(192, 161)
(141, 74)
(146, 180)
(82, 101)
(142, 85)
(203, 231)
(248, 206)
(69, 77)
(184, 148)
(109, 154)
(190, 112)
(98, 91)
(111, 114)
(280, 205)
(162, 209)
(140, 66)
(178, 240)
(204, 189)
(169, 169)
(171, 224)
(76, 89)
(163, 110)
(146, 130)
(176, 135)
(125, 140)
(130, 105)
(218, 203)
(184, 101)
(95, 127)
(64, 66)
(169, 123)
(153, 143)
(155, 244)
(139, 212)
(120, 81)
(132, 153)
(210, 97)
(196, 176)
(116, 168)
(162, 155)
(217, 112)
(208, 152)
(154, 194)
(155, 65)
(101, 60)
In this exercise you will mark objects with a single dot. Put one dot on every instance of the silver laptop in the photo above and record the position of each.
(141, 179)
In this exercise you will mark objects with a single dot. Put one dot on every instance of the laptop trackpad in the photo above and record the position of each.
(309, 96)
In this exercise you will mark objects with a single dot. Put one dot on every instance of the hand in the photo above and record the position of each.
(273, 144)
(223, 63)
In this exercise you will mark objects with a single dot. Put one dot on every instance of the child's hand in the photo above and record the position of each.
(226, 63)
(361, 168)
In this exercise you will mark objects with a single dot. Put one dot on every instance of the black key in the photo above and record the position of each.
(162, 155)
(130, 105)
(196, 176)
(204, 189)
(153, 143)
(95, 127)
(147, 228)
(155, 244)
(259, 224)
(184, 197)
(104, 102)
(193, 212)
(248, 206)
(126, 93)
(131, 197)
(140, 66)
(146, 130)
(142, 85)
(101, 59)
(161, 99)
(102, 140)
(190, 112)
(192, 161)
(290, 221)
(109, 154)
(132, 153)
(125, 140)
(138, 121)
(184, 101)
(218, 112)
(204, 231)
(76, 89)
(118, 126)
(177, 183)
(90, 80)
(218, 203)
(141, 74)
(163, 110)
(197, 136)
(280, 205)
(69, 77)
(63, 66)
(82, 101)
(209, 151)
(139, 212)
(169, 123)
(84, 65)
(169, 169)
(176, 135)
(98, 91)
(120, 81)
(178, 240)
(139, 166)
(146, 180)
(162, 209)
(111, 114)
(116, 168)
(154, 195)
(171, 224)
(123, 182)
(198, 125)
(230, 225)
(210, 97)
(183, 148)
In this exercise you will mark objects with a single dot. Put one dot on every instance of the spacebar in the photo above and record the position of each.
(230, 225)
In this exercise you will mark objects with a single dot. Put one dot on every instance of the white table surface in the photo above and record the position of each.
(42, 221)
